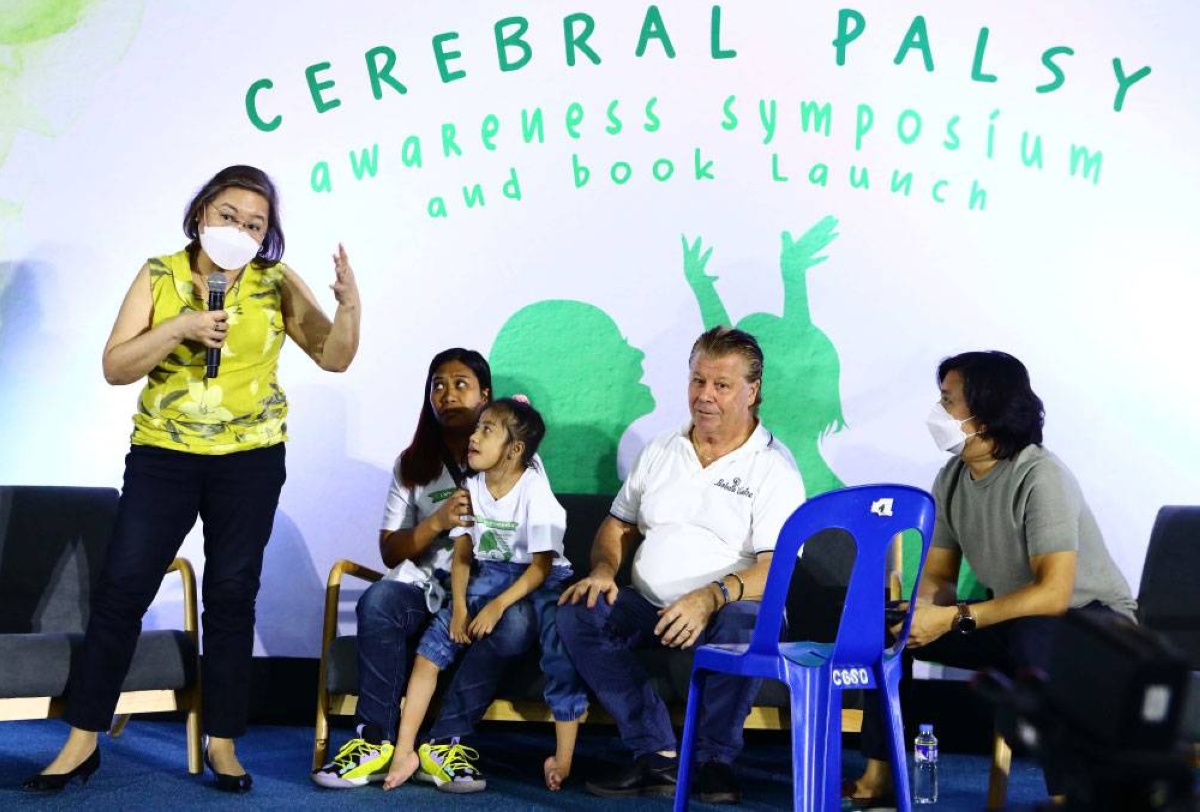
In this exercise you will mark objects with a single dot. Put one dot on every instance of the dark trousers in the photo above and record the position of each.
(601, 642)
(391, 619)
(477, 679)
(1010, 647)
(235, 496)
(391, 615)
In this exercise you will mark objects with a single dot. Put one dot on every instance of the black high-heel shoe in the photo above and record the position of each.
(56, 781)
(229, 783)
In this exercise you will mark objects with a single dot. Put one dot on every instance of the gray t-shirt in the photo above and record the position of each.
(1027, 506)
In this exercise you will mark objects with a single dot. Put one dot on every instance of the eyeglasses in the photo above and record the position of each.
(225, 216)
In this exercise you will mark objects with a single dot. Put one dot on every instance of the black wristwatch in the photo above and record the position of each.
(965, 622)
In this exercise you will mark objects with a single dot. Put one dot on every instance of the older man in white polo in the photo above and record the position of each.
(702, 507)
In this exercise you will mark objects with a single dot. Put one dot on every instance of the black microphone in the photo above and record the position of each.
(216, 301)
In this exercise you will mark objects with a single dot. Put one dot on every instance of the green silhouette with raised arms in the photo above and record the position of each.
(581, 373)
(801, 396)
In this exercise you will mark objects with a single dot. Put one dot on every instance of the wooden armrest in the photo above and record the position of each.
(191, 624)
(333, 595)
(347, 567)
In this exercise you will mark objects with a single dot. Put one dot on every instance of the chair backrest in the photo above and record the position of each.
(52, 545)
(872, 515)
(1167, 601)
(585, 512)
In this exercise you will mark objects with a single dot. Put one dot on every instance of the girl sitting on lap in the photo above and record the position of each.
(515, 549)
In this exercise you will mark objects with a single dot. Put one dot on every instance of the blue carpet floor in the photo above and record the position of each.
(146, 768)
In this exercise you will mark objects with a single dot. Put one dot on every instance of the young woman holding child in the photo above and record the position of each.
(425, 502)
(510, 550)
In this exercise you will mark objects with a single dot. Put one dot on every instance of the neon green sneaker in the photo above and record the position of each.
(450, 767)
(358, 762)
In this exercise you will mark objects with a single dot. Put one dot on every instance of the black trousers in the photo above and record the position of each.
(235, 496)
(1010, 647)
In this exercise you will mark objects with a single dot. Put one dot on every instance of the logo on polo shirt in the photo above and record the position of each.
(735, 487)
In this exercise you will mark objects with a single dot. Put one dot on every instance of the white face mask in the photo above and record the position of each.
(228, 247)
(947, 430)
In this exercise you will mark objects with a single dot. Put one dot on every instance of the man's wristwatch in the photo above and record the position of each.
(965, 622)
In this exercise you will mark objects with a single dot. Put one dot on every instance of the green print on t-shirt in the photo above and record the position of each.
(493, 547)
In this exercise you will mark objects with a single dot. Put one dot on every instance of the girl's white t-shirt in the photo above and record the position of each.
(526, 520)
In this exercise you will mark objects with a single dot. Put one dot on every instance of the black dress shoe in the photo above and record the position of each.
(650, 775)
(716, 784)
(56, 781)
(229, 783)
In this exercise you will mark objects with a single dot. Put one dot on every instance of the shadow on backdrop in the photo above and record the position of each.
(330, 509)
(585, 378)
(22, 352)
(801, 393)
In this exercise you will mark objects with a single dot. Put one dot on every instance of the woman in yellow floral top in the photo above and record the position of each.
(202, 446)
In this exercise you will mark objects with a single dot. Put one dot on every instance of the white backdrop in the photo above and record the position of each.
(113, 113)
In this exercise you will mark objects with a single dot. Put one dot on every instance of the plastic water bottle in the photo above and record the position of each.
(925, 752)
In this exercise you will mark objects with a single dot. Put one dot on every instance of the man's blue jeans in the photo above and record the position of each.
(602, 640)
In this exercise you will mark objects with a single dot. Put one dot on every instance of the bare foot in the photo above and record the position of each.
(403, 766)
(556, 773)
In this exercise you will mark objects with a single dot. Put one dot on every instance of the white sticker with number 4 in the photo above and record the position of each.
(882, 507)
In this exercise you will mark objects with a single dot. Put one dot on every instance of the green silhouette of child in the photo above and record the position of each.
(802, 400)
(577, 369)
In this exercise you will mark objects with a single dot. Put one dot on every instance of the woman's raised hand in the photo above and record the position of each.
(344, 287)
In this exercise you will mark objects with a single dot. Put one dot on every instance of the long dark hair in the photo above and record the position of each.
(422, 461)
(239, 177)
(998, 392)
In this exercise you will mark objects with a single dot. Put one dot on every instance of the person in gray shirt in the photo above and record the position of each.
(1016, 514)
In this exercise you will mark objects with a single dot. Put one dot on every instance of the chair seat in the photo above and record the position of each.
(40, 664)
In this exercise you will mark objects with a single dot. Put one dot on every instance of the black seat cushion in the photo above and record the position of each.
(40, 664)
(52, 543)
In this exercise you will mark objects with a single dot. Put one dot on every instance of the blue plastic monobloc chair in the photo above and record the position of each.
(817, 673)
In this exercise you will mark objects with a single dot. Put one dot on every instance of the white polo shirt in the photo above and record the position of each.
(702, 523)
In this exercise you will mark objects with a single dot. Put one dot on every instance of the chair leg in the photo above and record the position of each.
(887, 693)
(118, 724)
(195, 749)
(998, 778)
(683, 783)
(811, 717)
(321, 734)
(832, 798)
